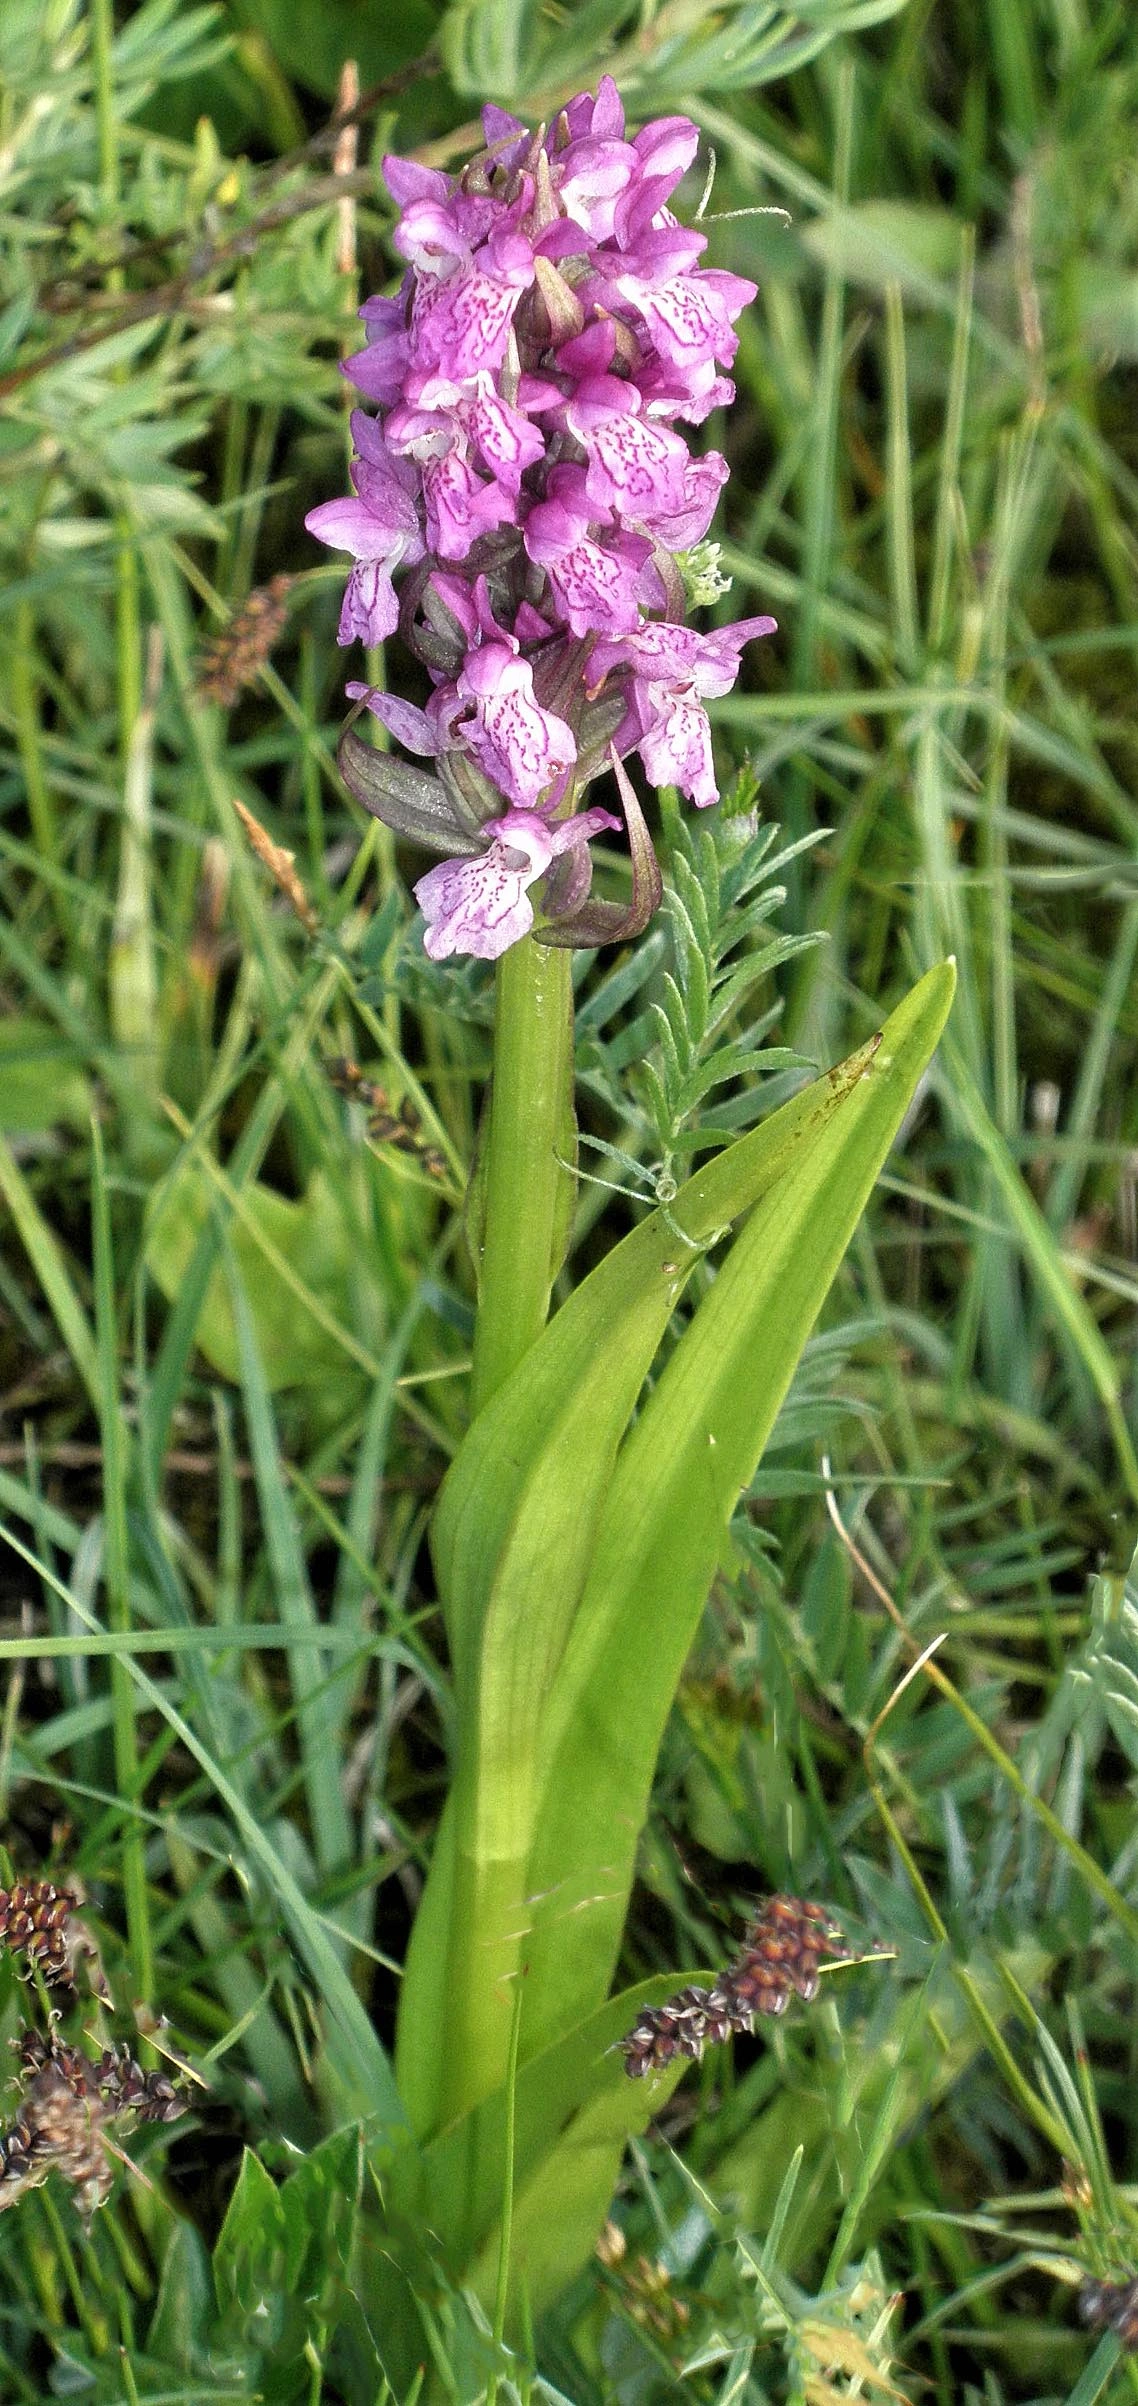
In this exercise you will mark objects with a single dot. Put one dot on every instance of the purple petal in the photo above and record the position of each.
(460, 506)
(635, 468)
(667, 147)
(386, 312)
(658, 650)
(507, 441)
(380, 521)
(608, 109)
(593, 176)
(348, 525)
(676, 747)
(468, 325)
(679, 529)
(581, 826)
(591, 353)
(717, 660)
(370, 611)
(427, 234)
(410, 727)
(407, 181)
(498, 126)
(689, 317)
(690, 393)
(597, 586)
(378, 369)
(529, 625)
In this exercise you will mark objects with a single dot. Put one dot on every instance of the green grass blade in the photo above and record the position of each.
(116, 1571)
(1040, 1250)
(48, 1261)
(315, 1690)
(356, 2057)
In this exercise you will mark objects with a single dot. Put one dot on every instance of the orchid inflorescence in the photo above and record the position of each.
(525, 474)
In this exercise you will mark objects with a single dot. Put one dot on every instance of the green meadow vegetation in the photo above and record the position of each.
(239, 1115)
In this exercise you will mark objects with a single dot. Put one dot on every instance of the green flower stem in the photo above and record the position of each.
(526, 1192)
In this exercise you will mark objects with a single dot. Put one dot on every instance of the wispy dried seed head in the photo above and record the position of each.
(65, 2110)
(231, 660)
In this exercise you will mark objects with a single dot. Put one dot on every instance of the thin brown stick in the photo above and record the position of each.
(345, 158)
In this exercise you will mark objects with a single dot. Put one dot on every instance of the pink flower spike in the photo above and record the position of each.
(522, 498)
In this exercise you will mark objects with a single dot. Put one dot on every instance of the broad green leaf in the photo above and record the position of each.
(320, 2202)
(40, 1082)
(693, 1450)
(624, 1304)
(311, 1233)
(251, 2240)
(519, 1525)
(179, 2327)
(456, 2186)
(513, 1535)
(679, 1476)
(883, 242)
(559, 2210)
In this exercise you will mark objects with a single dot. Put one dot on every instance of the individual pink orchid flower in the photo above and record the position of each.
(482, 906)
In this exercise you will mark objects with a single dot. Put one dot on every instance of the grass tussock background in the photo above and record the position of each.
(238, 1110)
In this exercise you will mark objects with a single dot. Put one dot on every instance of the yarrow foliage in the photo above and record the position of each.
(524, 476)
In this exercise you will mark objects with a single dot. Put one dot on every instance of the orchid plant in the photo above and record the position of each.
(521, 472)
